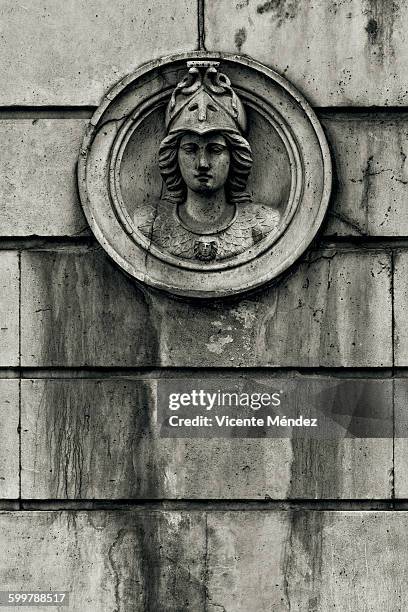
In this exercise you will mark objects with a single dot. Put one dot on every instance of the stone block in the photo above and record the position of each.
(248, 561)
(9, 446)
(90, 314)
(98, 439)
(59, 53)
(38, 177)
(312, 560)
(401, 437)
(9, 308)
(400, 307)
(115, 560)
(371, 174)
(336, 53)
(333, 309)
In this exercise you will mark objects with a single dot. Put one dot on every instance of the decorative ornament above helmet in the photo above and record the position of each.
(204, 101)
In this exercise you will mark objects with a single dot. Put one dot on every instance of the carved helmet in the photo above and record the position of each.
(204, 101)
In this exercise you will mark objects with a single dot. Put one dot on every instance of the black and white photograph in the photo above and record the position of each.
(203, 292)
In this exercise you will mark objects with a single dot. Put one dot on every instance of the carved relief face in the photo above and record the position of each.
(204, 161)
(210, 227)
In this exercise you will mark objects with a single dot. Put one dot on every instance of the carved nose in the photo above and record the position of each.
(202, 160)
(202, 113)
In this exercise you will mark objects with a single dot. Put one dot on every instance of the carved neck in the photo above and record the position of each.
(206, 214)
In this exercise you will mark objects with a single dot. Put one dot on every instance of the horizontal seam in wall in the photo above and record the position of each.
(67, 372)
(342, 243)
(209, 505)
(60, 112)
(46, 112)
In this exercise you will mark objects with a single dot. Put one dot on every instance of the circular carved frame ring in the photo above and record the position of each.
(118, 157)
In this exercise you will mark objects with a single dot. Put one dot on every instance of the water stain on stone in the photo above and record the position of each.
(380, 29)
(153, 565)
(94, 314)
(372, 31)
(316, 473)
(128, 583)
(100, 432)
(302, 561)
(280, 10)
(316, 469)
(240, 38)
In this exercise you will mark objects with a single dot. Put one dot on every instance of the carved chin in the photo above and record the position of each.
(203, 188)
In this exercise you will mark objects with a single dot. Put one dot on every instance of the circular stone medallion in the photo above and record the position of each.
(204, 175)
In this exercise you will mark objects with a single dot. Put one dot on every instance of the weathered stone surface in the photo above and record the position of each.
(90, 314)
(107, 560)
(307, 561)
(54, 53)
(371, 171)
(9, 459)
(38, 179)
(334, 309)
(98, 439)
(252, 561)
(90, 439)
(330, 311)
(336, 53)
(400, 307)
(401, 437)
(9, 305)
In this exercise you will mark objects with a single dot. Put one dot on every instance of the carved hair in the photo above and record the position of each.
(240, 168)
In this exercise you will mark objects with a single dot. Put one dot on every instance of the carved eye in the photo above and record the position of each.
(213, 108)
(193, 106)
(188, 148)
(217, 149)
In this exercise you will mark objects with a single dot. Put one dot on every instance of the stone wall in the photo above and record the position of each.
(92, 500)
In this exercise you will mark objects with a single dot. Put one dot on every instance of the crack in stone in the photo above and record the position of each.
(216, 605)
(320, 257)
(206, 568)
(201, 25)
(353, 224)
